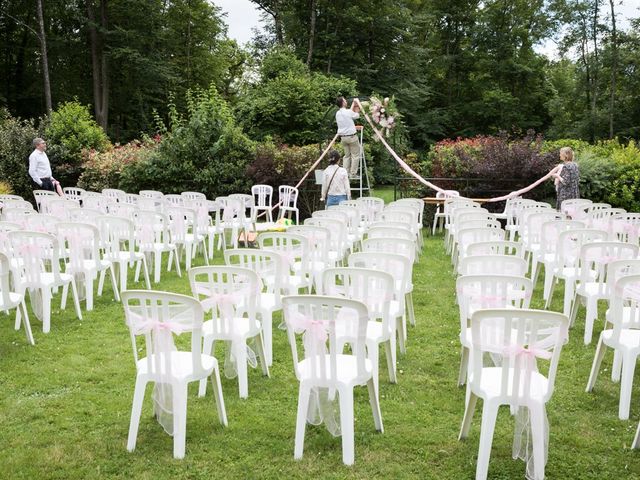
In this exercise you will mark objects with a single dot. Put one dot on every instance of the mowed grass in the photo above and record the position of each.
(65, 406)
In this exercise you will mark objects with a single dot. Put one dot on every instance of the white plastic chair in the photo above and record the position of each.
(268, 265)
(229, 293)
(294, 250)
(262, 195)
(390, 232)
(399, 266)
(153, 238)
(319, 254)
(233, 218)
(626, 228)
(82, 241)
(523, 339)
(371, 208)
(151, 194)
(503, 247)
(591, 285)
(158, 316)
(324, 365)
(38, 270)
(376, 290)
(183, 227)
(477, 292)
(13, 298)
(42, 196)
(493, 265)
(17, 215)
(73, 193)
(623, 336)
(114, 194)
(288, 198)
(546, 253)
(471, 235)
(439, 215)
(101, 203)
(566, 264)
(118, 239)
(338, 246)
(574, 207)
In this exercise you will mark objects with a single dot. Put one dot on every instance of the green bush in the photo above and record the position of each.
(16, 144)
(291, 104)
(204, 151)
(104, 169)
(625, 188)
(69, 130)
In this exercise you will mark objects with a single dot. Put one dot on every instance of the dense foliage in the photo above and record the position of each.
(69, 130)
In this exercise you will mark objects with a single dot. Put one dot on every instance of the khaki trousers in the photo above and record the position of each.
(351, 160)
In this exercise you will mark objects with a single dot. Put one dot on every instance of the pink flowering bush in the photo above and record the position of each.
(104, 169)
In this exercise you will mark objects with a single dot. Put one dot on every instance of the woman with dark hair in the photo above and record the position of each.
(335, 185)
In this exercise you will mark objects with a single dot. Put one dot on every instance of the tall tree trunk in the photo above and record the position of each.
(45, 57)
(99, 63)
(614, 66)
(594, 70)
(312, 31)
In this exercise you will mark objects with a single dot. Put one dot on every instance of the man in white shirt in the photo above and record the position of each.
(348, 135)
(335, 184)
(40, 168)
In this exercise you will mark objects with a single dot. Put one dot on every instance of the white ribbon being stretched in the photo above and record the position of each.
(411, 172)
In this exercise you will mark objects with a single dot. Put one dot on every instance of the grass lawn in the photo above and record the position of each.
(65, 406)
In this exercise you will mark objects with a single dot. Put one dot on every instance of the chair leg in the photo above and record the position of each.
(374, 401)
(568, 295)
(63, 299)
(372, 353)
(464, 363)
(145, 268)
(46, 310)
(595, 367)
(346, 425)
(114, 283)
(267, 333)
(616, 369)
(401, 335)
(590, 317)
(537, 417)
(207, 349)
(101, 282)
(261, 355)
(549, 287)
(217, 393)
(122, 272)
(157, 261)
(489, 414)
(178, 264)
(240, 352)
(22, 310)
(179, 419)
(136, 409)
(410, 309)
(636, 439)
(88, 286)
(469, 410)
(626, 382)
(390, 353)
(76, 300)
(301, 420)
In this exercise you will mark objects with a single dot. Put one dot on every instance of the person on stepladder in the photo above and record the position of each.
(347, 132)
(335, 184)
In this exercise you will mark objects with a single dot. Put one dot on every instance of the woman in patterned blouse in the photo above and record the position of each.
(567, 177)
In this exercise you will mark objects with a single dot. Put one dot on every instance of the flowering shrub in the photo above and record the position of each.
(104, 169)
(494, 160)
